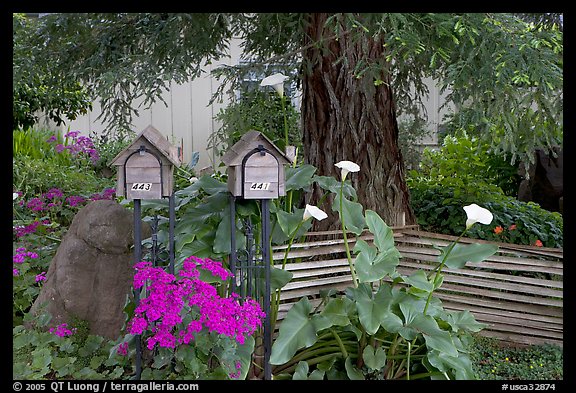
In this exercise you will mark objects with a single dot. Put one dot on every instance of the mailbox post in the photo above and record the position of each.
(255, 171)
(145, 170)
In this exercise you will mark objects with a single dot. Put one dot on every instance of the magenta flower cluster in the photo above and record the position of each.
(79, 145)
(62, 330)
(20, 257)
(164, 311)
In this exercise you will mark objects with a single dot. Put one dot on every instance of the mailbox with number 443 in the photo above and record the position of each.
(146, 167)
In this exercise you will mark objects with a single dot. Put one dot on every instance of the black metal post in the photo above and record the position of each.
(266, 264)
(171, 225)
(233, 256)
(137, 257)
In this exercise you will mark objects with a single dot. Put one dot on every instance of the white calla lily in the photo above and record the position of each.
(276, 81)
(476, 214)
(347, 166)
(313, 211)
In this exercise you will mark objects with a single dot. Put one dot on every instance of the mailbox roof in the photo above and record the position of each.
(247, 143)
(156, 139)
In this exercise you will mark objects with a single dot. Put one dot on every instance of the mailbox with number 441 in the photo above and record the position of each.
(255, 167)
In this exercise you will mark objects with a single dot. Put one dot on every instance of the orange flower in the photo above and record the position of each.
(538, 243)
(512, 227)
(498, 230)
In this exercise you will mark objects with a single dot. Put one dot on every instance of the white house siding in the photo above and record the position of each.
(188, 120)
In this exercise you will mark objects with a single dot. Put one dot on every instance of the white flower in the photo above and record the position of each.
(193, 179)
(276, 81)
(347, 166)
(14, 196)
(476, 214)
(313, 211)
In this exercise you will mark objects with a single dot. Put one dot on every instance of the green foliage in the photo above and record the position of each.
(32, 143)
(411, 132)
(464, 162)
(464, 171)
(108, 147)
(494, 361)
(439, 209)
(387, 325)
(36, 176)
(515, 102)
(34, 89)
(39, 354)
(256, 110)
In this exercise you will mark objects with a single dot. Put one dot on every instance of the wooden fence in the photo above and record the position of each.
(517, 293)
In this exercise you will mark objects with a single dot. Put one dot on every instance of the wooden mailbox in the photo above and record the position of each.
(255, 167)
(146, 167)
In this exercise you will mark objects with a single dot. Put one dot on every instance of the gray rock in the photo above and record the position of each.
(91, 274)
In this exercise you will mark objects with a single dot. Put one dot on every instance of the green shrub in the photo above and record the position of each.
(439, 209)
(40, 354)
(463, 163)
(493, 361)
(36, 176)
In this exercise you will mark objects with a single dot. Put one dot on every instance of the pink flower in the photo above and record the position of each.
(538, 243)
(41, 277)
(170, 298)
(62, 330)
(122, 349)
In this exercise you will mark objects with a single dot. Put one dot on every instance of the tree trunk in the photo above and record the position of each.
(354, 119)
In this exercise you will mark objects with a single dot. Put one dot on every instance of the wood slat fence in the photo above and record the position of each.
(517, 293)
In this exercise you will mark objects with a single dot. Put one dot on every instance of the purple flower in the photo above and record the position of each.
(122, 349)
(62, 330)
(72, 134)
(53, 193)
(35, 204)
(41, 277)
(75, 200)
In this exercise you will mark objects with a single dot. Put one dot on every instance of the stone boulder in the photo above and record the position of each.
(92, 271)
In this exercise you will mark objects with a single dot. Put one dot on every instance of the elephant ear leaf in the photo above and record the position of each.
(462, 253)
(298, 330)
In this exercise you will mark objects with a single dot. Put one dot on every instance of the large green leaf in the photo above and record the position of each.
(289, 222)
(464, 320)
(374, 358)
(210, 185)
(352, 213)
(419, 280)
(279, 278)
(223, 237)
(337, 311)
(331, 184)
(353, 373)
(383, 235)
(462, 253)
(297, 331)
(300, 177)
(435, 337)
(372, 308)
(460, 364)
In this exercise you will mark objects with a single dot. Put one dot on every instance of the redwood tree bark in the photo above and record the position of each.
(349, 118)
